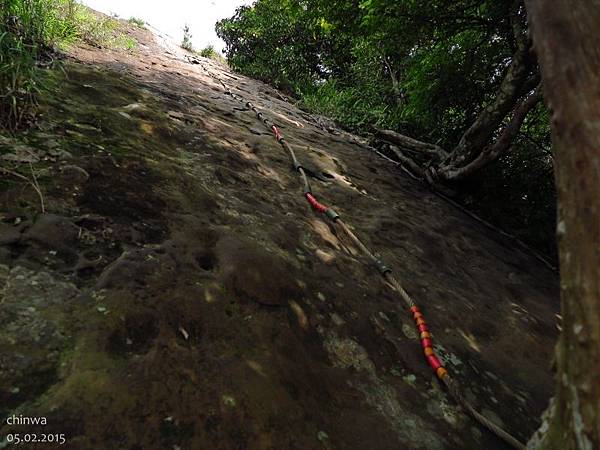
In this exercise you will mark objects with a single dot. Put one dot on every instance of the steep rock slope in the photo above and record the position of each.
(178, 291)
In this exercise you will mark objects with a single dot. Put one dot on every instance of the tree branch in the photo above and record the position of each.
(34, 183)
(395, 82)
(511, 88)
(411, 165)
(412, 144)
(500, 146)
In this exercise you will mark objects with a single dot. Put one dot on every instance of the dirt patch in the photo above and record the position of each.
(123, 191)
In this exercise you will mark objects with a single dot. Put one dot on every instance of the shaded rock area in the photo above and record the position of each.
(179, 293)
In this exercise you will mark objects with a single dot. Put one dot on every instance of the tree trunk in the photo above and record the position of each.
(513, 87)
(492, 151)
(395, 82)
(567, 42)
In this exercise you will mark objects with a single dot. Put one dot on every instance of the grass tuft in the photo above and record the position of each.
(137, 22)
(30, 30)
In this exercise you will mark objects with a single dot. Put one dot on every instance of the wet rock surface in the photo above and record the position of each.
(178, 292)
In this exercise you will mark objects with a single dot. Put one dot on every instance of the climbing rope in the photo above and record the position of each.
(338, 224)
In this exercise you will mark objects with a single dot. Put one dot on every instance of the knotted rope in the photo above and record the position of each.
(338, 224)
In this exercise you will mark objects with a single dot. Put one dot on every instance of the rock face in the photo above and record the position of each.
(32, 337)
(252, 273)
(180, 293)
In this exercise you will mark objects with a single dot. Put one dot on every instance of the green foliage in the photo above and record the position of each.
(186, 43)
(141, 23)
(99, 30)
(208, 52)
(354, 108)
(29, 30)
(38, 22)
(447, 83)
(361, 98)
(275, 41)
(17, 81)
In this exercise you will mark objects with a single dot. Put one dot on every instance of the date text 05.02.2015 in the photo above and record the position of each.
(35, 438)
